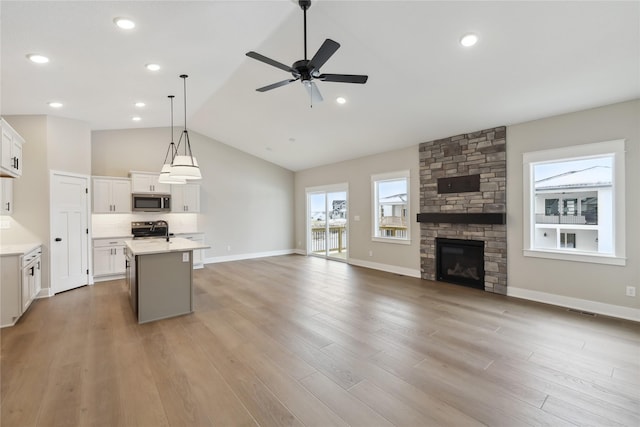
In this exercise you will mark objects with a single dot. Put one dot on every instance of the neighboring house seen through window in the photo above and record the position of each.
(574, 203)
(391, 207)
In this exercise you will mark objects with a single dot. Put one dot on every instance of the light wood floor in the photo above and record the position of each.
(303, 341)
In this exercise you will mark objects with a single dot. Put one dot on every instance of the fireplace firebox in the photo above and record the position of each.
(460, 262)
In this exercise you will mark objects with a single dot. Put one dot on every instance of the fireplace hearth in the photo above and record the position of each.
(460, 262)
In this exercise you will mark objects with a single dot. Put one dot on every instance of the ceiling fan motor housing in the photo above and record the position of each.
(301, 70)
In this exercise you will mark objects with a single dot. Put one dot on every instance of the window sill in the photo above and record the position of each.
(577, 257)
(391, 240)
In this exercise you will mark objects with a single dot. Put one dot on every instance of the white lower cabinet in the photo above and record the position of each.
(108, 259)
(198, 254)
(21, 283)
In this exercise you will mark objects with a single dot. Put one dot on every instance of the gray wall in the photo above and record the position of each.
(357, 173)
(52, 143)
(592, 282)
(246, 203)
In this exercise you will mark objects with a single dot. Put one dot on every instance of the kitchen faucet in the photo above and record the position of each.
(166, 225)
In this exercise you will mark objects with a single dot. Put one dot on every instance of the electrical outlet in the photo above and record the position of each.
(229, 248)
(4, 224)
(370, 253)
(631, 291)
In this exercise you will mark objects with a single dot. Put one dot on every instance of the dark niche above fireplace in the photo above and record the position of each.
(460, 262)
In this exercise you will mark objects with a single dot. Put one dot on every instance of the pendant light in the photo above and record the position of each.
(185, 166)
(165, 178)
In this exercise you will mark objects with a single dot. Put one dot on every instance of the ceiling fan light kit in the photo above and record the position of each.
(307, 70)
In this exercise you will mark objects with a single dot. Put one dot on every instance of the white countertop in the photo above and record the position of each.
(156, 246)
(18, 249)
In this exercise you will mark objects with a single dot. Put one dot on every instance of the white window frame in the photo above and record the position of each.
(390, 176)
(613, 148)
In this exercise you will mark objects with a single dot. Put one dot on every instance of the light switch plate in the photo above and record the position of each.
(185, 257)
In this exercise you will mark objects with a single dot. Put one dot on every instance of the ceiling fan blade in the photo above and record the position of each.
(275, 85)
(273, 63)
(313, 91)
(327, 49)
(343, 78)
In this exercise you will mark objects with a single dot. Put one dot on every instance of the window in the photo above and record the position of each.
(391, 207)
(574, 203)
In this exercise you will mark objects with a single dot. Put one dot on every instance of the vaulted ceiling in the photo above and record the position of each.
(532, 60)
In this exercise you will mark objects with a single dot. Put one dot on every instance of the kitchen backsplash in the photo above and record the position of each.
(117, 225)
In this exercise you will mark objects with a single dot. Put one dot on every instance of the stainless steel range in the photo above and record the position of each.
(150, 229)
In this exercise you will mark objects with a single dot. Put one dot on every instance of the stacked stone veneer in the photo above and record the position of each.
(483, 153)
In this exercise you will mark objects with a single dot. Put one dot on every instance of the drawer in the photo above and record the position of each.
(103, 243)
(31, 255)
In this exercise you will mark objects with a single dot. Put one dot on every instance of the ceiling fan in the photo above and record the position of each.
(307, 70)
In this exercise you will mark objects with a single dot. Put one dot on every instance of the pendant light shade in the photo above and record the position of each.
(184, 166)
(165, 177)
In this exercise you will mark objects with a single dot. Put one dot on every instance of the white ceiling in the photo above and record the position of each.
(533, 60)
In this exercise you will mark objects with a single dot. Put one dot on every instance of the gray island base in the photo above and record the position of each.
(160, 277)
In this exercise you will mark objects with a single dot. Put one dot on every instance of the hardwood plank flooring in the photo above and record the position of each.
(302, 341)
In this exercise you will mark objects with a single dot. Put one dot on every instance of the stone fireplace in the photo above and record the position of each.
(463, 198)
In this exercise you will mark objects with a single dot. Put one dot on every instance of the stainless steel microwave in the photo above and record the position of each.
(151, 202)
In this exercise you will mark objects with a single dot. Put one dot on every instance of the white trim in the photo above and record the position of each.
(89, 193)
(386, 267)
(45, 293)
(239, 257)
(324, 189)
(389, 176)
(107, 277)
(615, 148)
(618, 311)
(577, 257)
(395, 240)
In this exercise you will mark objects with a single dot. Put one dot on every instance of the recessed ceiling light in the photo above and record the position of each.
(37, 58)
(468, 40)
(140, 104)
(152, 67)
(124, 23)
(340, 100)
(55, 104)
(136, 118)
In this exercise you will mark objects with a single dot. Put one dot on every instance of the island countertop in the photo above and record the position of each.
(157, 246)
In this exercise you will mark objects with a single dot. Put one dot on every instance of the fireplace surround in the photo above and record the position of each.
(463, 196)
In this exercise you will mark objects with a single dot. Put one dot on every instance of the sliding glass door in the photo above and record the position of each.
(327, 221)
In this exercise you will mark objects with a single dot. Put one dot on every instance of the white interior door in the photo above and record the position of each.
(69, 232)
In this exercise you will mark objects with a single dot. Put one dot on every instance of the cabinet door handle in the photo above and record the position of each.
(8, 206)
(32, 271)
(58, 239)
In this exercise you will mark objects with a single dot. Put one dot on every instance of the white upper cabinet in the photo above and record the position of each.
(185, 198)
(147, 182)
(111, 195)
(11, 164)
(6, 196)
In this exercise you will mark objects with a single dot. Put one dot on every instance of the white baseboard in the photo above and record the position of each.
(239, 257)
(45, 293)
(618, 311)
(386, 267)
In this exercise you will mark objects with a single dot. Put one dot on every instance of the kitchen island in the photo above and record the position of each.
(160, 277)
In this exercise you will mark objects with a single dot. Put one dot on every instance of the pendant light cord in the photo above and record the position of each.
(172, 146)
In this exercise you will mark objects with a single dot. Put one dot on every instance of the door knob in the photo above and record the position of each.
(58, 239)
